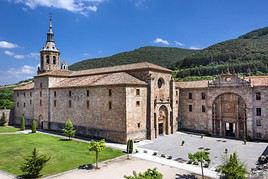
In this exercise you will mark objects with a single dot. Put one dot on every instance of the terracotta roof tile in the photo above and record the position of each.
(99, 80)
(120, 68)
(28, 86)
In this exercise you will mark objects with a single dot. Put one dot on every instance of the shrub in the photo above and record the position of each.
(163, 155)
(155, 153)
(69, 130)
(130, 146)
(33, 126)
(3, 120)
(182, 143)
(200, 156)
(149, 174)
(22, 123)
(34, 164)
(145, 151)
(169, 157)
(233, 168)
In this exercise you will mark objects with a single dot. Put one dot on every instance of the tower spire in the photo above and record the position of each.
(50, 34)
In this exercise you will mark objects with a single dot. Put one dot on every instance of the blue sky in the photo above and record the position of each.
(95, 28)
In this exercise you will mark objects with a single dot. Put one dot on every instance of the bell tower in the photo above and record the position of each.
(49, 54)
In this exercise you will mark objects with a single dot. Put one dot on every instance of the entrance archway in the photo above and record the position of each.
(163, 120)
(229, 116)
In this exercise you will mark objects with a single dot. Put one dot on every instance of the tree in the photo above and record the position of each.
(69, 129)
(22, 123)
(33, 126)
(200, 156)
(233, 168)
(34, 164)
(97, 147)
(3, 119)
(129, 147)
(149, 174)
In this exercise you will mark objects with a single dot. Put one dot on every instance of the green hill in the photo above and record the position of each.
(247, 54)
(164, 56)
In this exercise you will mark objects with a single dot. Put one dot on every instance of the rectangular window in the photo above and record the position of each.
(18, 104)
(55, 94)
(70, 103)
(203, 108)
(110, 105)
(137, 92)
(87, 93)
(70, 93)
(176, 101)
(177, 93)
(258, 96)
(110, 92)
(55, 103)
(24, 105)
(190, 96)
(30, 94)
(40, 102)
(87, 104)
(41, 85)
(258, 122)
(258, 111)
(137, 103)
(30, 102)
(203, 96)
(190, 108)
(24, 94)
(18, 94)
(139, 125)
(40, 93)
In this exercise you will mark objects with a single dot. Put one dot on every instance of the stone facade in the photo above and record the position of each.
(228, 106)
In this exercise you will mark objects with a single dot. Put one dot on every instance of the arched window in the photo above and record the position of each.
(54, 59)
(47, 58)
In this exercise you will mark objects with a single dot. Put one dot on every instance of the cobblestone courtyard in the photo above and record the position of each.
(171, 146)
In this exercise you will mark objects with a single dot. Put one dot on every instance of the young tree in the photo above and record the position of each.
(34, 164)
(22, 123)
(3, 119)
(233, 168)
(200, 157)
(97, 147)
(33, 126)
(149, 174)
(129, 147)
(69, 129)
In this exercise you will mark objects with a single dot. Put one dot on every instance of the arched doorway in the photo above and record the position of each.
(229, 116)
(163, 120)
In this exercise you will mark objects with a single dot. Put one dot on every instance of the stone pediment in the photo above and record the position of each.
(228, 80)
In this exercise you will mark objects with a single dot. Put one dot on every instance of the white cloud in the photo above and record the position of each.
(195, 48)
(5, 44)
(161, 41)
(76, 6)
(14, 75)
(178, 43)
(12, 54)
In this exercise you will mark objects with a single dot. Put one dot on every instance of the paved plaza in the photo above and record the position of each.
(171, 146)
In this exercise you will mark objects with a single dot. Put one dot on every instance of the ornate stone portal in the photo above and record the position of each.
(229, 116)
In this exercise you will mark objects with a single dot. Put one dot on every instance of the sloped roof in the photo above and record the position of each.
(192, 84)
(258, 80)
(121, 78)
(28, 86)
(113, 69)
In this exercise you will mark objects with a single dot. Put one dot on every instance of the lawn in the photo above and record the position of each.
(8, 129)
(65, 155)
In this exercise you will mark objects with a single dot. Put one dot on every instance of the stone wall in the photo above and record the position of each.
(195, 120)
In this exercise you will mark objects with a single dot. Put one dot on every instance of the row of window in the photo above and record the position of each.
(70, 104)
(203, 108)
(48, 59)
(203, 95)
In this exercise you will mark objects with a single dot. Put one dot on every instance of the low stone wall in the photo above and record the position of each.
(8, 114)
